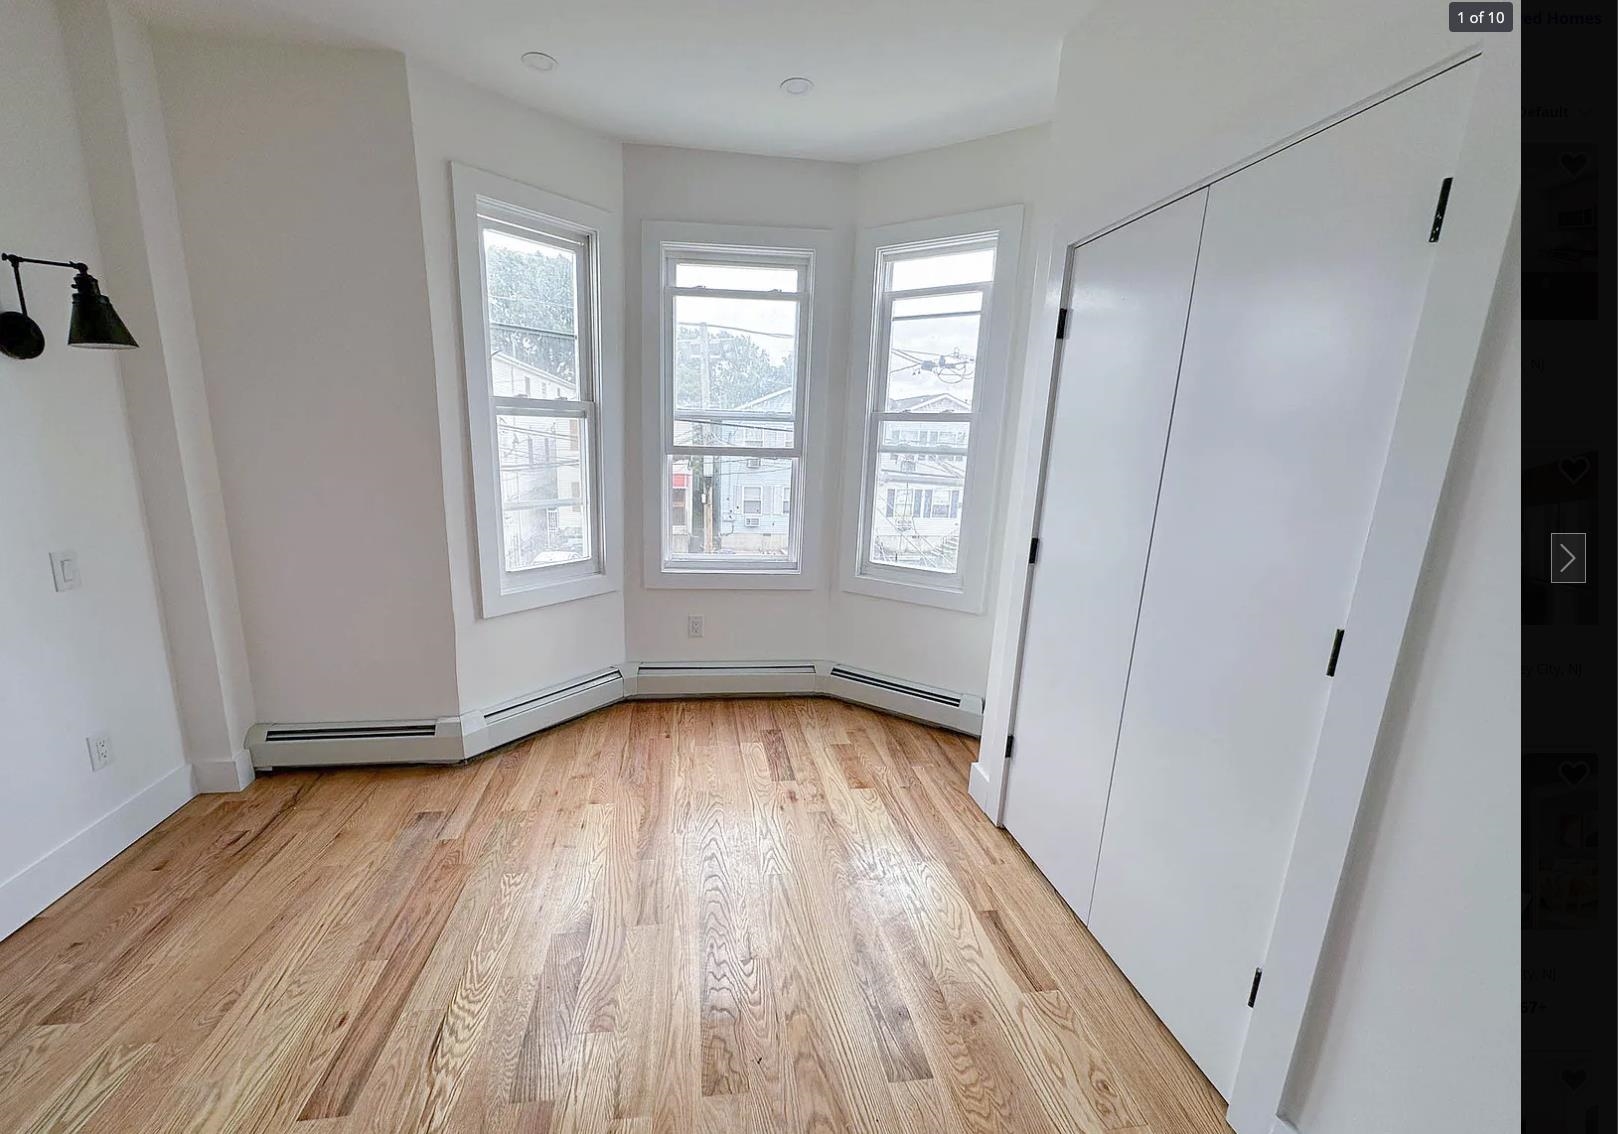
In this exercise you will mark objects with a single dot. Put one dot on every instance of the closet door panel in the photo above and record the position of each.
(1128, 297)
(1310, 283)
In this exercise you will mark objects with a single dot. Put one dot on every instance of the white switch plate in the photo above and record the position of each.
(100, 746)
(65, 570)
(693, 626)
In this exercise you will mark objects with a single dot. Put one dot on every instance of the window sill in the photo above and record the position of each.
(967, 601)
(727, 579)
(496, 603)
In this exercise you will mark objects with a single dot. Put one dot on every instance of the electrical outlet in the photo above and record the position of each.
(693, 626)
(100, 746)
(65, 570)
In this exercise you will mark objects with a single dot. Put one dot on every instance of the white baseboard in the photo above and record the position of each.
(451, 740)
(232, 774)
(981, 789)
(54, 873)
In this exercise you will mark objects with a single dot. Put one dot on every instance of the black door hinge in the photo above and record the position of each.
(1061, 323)
(1010, 740)
(1336, 648)
(1438, 213)
(1033, 550)
(1252, 993)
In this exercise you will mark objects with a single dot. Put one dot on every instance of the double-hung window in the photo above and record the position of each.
(733, 351)
(937, 367)
(531, 297)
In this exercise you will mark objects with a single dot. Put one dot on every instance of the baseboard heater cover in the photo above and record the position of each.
(355, 742)
(528, 714)
(451, 740)
(723, 679)
(958, 711)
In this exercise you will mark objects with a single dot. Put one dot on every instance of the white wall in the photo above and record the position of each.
(132, 192)
(944, 647)
(662, 183)
(301, 216)
(92, 659)
(503, 657)
(1412, 1024)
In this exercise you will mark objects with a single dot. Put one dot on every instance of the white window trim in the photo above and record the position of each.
(816, 330)
(965, 590)
(500, 592)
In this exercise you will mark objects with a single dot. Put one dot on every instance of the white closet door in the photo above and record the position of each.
(1310, 283)
(1128, 299)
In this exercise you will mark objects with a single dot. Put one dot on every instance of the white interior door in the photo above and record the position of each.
(1128, 299)
(1310, 282)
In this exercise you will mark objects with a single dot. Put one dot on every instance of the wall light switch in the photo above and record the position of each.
(65, 570)
(100, 750)
(693, 626)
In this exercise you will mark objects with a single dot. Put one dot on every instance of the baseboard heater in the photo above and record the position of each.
(450, 740)
(722, 679)
(957, 711)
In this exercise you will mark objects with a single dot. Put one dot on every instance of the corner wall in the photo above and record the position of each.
(295, 170)
(505, 657)
(92, 659)
(132, 190)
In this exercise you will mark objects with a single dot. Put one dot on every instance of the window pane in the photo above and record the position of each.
(916, 506)
(735, 354)
(532, 293)
(938, 438)
(943, 269)
(932, 362)
(736, 277)
(542, 493)
(724, 518)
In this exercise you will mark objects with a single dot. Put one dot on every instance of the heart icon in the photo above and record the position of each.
(1574, 163)
(1574, 468)
(1574, 1078)
(1573, 771)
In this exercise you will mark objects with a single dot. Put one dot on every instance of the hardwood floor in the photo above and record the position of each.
(730, 916)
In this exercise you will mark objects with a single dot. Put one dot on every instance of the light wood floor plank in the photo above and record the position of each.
(751, 917)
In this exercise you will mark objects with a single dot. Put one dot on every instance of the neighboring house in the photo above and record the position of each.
(753, 495)
(541, 476)
(917, 520)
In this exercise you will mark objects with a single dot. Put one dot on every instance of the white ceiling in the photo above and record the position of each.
(891, 76)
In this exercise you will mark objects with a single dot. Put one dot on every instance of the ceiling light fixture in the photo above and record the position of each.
(797, 85)
(539, 61)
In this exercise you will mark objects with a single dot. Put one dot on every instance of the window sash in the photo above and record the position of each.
(877, 414)
(499, 217)
(673, 256)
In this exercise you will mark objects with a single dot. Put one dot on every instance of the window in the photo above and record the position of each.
(938, 334)
(728, 315)
(530, 301)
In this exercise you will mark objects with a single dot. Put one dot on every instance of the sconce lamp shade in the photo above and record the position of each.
(95, 324)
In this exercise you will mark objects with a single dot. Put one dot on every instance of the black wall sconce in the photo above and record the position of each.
(94, 324)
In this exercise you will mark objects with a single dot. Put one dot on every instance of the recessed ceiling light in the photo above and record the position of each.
(797, 85)
(539, 61)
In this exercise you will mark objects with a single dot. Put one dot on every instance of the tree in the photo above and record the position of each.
(532, 293)
(739, 371)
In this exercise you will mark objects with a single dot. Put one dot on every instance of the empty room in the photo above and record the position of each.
(654, 567)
